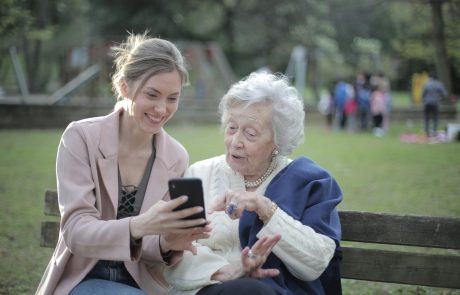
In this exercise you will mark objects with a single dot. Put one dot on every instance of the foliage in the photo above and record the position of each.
(404, 30)
(13, 16)
(252, 33)
(33, 27)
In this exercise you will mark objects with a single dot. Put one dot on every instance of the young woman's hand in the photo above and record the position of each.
(160, 219)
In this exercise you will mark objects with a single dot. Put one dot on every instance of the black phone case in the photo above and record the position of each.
(191, 187)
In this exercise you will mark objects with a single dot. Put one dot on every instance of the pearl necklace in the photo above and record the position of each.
(260, 180)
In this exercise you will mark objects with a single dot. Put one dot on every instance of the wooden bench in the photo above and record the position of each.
(364, 233)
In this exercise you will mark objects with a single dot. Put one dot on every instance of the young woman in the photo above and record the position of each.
(118, 228)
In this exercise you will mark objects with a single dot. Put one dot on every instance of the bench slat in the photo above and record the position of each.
(49, 234)
(51, 203)
(382, 228)
(401, 267)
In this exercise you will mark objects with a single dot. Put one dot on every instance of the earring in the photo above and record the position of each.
(275, 153)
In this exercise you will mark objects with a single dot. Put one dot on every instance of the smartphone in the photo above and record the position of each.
(191, 187)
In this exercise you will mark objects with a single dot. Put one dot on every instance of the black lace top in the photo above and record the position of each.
(130, 197)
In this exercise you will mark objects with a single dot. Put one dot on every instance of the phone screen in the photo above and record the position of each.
(191, 187)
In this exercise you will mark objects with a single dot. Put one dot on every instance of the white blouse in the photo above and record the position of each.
(304, 252)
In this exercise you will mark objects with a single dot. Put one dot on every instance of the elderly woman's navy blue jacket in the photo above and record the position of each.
(308, 193)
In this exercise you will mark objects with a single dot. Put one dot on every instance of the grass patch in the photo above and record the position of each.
(27, 161)
(376, 174)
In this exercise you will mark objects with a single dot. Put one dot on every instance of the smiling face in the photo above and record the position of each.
(249, 139)
(155, 102)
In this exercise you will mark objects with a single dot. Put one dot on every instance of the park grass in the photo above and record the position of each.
(26, 169)
(376, 174)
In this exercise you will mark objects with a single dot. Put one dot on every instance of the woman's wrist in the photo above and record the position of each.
(227, 273)
(163, 247)
(268, 209)
(165, 252)
(135, 228)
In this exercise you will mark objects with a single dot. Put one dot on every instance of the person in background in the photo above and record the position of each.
(118, 228)
(276, 229)
(351, 108)
(433, 92)
(378, 110)
(363, 93)
(382, 83)
(326, 107)
(341, 95)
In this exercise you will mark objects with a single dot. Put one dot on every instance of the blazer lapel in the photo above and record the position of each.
(108, 164)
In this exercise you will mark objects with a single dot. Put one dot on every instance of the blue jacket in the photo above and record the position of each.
(433, 92)
(309, 194)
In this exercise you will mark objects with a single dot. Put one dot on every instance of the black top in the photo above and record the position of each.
(130, 197)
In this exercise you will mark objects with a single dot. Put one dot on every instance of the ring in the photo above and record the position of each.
(231, 208)
(251, 254)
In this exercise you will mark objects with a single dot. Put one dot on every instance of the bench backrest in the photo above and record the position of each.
(50, 229)
(369, 260)
(364, 257)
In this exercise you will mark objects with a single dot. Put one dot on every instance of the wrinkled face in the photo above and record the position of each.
(155, 102)
(249, 140)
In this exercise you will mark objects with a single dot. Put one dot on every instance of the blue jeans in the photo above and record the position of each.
(100, 287)
(108, 277)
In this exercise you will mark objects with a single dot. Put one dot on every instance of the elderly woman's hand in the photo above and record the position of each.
(253, 258)
(234, 203)
(251, 262)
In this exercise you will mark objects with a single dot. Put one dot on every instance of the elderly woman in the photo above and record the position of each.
(275, 224)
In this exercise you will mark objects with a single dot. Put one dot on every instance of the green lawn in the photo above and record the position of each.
(376, 174)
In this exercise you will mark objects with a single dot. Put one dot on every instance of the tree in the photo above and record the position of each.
(252, 33)
(439, 41)
(31, 25)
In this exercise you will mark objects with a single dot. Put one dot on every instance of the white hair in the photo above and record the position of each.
(275, 90)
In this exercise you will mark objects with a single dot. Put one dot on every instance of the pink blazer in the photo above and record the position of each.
(87, 183)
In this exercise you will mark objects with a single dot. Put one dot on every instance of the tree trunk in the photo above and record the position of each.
(33, 46)
(228, 28)
(441, 61)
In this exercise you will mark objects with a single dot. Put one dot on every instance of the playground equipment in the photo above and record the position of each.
(84, 77)
(19, 75)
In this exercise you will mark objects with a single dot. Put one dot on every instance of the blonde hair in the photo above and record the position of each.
(141, 57)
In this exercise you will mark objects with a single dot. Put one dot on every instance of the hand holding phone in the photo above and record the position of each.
(191, 187)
